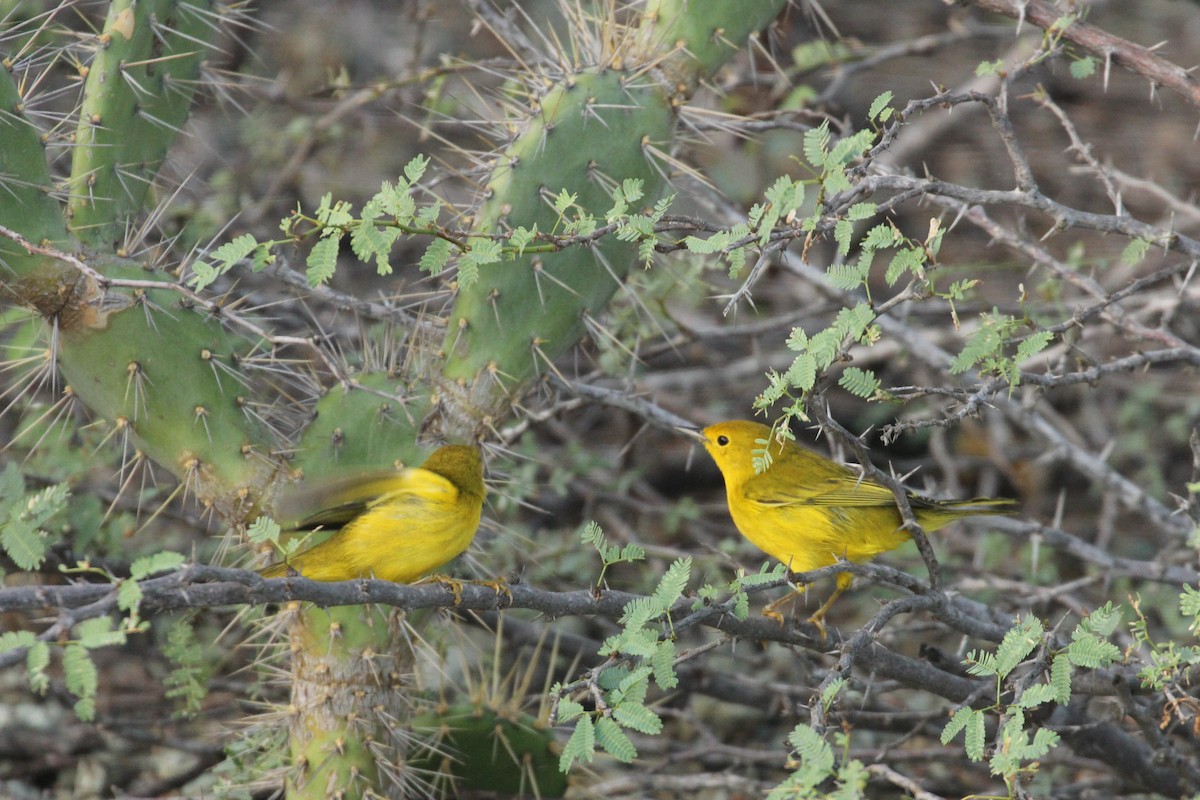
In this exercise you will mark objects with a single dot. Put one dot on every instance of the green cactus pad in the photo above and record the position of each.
(137, 95)
(361, 426)
(26, 205)
(172, 375)
(586, 136)
(489, 752)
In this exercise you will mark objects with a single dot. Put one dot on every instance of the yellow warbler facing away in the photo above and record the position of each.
(808, 511)
(397, 526)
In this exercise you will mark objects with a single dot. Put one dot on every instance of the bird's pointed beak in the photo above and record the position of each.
(692, 433)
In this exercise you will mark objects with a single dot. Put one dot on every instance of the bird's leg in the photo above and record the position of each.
(455, 586)
(818, 618)
(497, 585)
(771, 610)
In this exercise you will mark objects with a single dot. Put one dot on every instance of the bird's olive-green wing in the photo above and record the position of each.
(334, 503)
(843, 490)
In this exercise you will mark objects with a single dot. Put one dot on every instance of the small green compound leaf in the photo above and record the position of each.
(263, 530)
(671, 587)
(957, 723)
(1090, 651)
(905, 260)
(971, 721)
(736, 259)
(859, 382)
(1104, 620)
(129, 595)
(519, 239)
(25, 544)
(482, 253)
(1036, 695)
(797, 340)
(166, 561)
(815, 753)
(81, 679)
(20, 534)
(36, 662)
(852, 274)
(1032, 345)
(233, 251)
(1083, 68)
(188, 681)
(224, 258)
(986, 68)
(1044, 740)
(15, 640)
(322, 260)
(1189, 604)
(843, 231)
(663, 664)
(879, 105)
(333, 215)
(1018, 643)
(568, 710)
(802, 374)
(633, 687)
(976, 736)
(37, 656)
(581, 746)
(1060, 677)
(613, 740)
(861, 211)
(638, 718)
(980, 663)
(831, 692)
(99, 632)
(816, 143)
(414, 170)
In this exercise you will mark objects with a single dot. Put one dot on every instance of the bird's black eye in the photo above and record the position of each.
(722, 440)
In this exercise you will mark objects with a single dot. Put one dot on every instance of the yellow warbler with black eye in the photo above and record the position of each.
(808, 511)
(397, 526)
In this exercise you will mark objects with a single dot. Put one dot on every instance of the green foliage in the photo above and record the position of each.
(1088, 647)
(1084, 67)
(581, 746)
(640, 652)
(815, 765)
(37, 656)
(226, 257)
(1167, 665)
(610, 554)
(129, 592)
(79, 672)
(880, 111)
(1134, 252)
(738, 601)
(22, 516)
(986, 68)
(988, 348)
(974, 723)
(193, 666)
(1016, 750)
(817, 353)
(860, 382)
(263, 530)
(1016, 646)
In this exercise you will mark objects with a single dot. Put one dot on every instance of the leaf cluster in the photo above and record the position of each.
(642, 651)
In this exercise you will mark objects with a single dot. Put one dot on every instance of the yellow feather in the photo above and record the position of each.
(401, 526)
